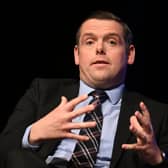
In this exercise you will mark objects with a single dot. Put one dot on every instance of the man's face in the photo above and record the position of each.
(101, 53)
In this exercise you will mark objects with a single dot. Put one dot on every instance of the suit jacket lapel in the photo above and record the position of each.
(128, 107)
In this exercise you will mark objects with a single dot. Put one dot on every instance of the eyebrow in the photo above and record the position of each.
(106, 35)
(113, 35)
(88, 34)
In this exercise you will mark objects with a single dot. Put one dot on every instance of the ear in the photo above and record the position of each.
(131, 54)
(76, 55)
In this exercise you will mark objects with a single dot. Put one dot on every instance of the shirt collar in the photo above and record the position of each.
(114, 94)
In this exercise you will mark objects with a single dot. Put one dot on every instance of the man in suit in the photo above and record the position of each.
(45, 128)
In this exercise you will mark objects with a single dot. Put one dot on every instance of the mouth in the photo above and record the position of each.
(100, 62)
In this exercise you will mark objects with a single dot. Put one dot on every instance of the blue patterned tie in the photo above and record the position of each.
(86, 151)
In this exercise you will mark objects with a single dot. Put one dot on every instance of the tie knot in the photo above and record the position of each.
(99, 95)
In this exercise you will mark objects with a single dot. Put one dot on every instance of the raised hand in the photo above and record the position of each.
(58, 123)
(146, 145)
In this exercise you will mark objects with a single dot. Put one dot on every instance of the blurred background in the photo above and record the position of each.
(38, 40)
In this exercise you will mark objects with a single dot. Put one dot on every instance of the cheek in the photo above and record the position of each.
(119, 56)
(84, 57)
(81, 57)
(83, 61)
(119, 62)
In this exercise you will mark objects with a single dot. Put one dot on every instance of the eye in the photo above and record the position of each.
(89, 42)
(112, 42)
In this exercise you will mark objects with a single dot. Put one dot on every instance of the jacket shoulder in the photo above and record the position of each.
(152, 103)
(46, 83)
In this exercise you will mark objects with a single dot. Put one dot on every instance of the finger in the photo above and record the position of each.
(144, 109)
(63, 101)
(79, 125)
(145, 123)
(75, 136)
(128, 146)
(82, 110)
(134, 124)
(144, 118)
(136, 129)
(134, 146)
(71, 104)
(140, 117)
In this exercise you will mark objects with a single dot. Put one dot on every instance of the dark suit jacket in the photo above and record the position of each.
(44, 95)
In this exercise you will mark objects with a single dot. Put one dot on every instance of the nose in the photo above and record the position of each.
(100, 50)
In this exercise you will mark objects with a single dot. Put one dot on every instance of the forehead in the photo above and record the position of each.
(98, 26)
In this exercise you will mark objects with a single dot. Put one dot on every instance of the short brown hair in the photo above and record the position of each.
(105, 15)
